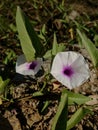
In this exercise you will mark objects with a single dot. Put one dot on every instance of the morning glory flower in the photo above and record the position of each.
(28, 68)
(70, 68)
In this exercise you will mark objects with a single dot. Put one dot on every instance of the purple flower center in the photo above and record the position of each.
(68, 71)
(33, 65)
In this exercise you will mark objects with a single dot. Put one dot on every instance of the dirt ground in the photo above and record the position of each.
(24, 111)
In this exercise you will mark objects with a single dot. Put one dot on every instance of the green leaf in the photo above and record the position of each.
(60, 119)
(96, 40)
(48, 54)
(76, 98)
(61, 47)
(29, 40)
(55, 48)
(42, 33)
(77, 116)
(46, 104)
(3, 84)
(92, 50)
(10, 55)
(38, 93)
(55, 45)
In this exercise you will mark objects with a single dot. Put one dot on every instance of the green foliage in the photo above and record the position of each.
(3, 84)
(76, 98)
(3, 24)
(77, 116)
(92, 50)
(33, 48)
(60, 119)
(42, 33)
(48, 54)
(55, 48)
(10, 55)
(29, 40)
(46, 104)
(41, 91)
(13, 27)
(96, 40)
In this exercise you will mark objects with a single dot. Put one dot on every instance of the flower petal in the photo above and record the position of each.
(64, 80)
(57, 65)
(70, 69)
(78, 79)
(25, 68)
(80, 66)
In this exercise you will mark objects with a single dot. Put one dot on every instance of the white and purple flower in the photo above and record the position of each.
(28, 68)
(70, 68)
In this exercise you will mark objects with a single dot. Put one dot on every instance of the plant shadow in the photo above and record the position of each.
(4, 124)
